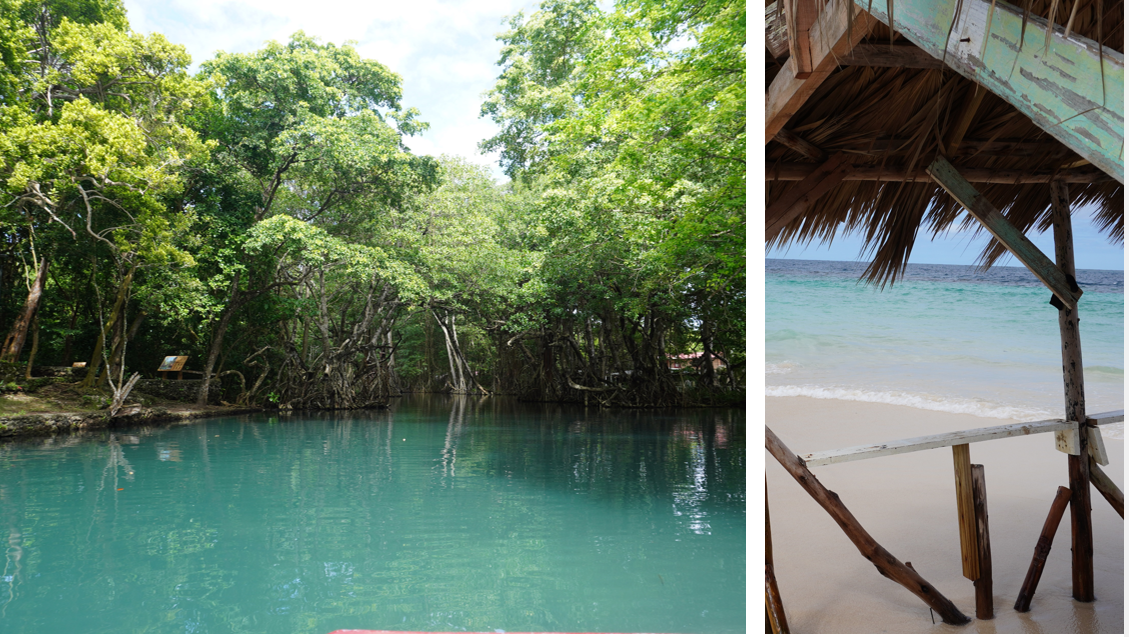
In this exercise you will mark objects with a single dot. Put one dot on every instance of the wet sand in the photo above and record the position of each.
(908, 504)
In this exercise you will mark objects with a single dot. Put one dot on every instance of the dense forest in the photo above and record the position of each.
(264, 217)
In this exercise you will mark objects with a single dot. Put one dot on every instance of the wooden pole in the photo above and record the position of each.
(774, 609)
(775, 621)
(1082, 538)
(966, 514)
(1108, 489)
(1042, 549)
(984, 605)
(887, 564)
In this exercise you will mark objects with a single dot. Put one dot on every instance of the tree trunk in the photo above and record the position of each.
(95, 363)
(34, 346)
(10, 352)
(214, 353)
(68, 340)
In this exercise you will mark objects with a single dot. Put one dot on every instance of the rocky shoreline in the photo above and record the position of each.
(50, 424)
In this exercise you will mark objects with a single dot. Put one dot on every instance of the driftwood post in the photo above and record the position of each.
(1081, 530)
(887, 564)
(1042, 549)
(774, 620)
(984, 605)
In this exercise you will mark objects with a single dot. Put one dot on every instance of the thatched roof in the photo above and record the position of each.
(891, 121)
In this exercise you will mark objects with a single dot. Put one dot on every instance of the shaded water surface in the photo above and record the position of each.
(439, 514)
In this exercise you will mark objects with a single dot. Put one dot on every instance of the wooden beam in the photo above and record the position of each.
(1108, 489)
(1042, 550)
(799, 171)
(800, 15)
(887, 564)
(831, 37)
(900, 56)
(967, 111)
(966, 514)
(800, 145)
(1063, 286)
(984, 605)
(799, 197)
(936, 441)
(1072, 93)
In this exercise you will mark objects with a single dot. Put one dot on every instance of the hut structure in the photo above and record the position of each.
(887, 119)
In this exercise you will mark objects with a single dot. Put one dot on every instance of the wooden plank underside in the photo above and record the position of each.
(936, 441)
(1068, 92)
(1015, 241)
(831, 37)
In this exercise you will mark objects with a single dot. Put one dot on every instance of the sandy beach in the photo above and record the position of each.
(908, 504)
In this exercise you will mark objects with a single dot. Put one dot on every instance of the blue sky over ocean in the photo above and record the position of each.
(1092, 248)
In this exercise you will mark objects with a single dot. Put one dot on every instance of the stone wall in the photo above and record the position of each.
(179, 390)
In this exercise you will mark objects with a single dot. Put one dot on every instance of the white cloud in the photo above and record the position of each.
(444, 51)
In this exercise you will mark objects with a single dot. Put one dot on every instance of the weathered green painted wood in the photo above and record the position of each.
(1062, 91)
(1043, 268)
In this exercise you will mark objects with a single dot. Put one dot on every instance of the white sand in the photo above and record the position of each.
(908, 504)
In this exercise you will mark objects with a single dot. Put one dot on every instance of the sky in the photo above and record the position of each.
(445, 52)
(1092, 248)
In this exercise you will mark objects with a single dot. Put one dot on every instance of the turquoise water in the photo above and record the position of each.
(439, 515)
(948, 338)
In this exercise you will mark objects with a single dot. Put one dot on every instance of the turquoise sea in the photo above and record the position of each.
(439, 514)
(944, 337)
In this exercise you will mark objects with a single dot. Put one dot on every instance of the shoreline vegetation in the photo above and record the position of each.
(265, 219)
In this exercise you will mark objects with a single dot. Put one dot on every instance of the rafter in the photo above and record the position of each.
(831, 37)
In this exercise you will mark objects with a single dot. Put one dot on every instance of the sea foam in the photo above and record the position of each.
(909, 399)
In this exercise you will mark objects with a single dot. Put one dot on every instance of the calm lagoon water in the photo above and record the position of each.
(947, 338)
(440, 514)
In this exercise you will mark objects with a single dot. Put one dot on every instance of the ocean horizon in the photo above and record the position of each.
(951, 338)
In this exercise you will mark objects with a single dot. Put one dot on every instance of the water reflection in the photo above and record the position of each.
(441, 513)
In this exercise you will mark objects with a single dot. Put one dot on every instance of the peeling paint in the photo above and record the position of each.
(1094, 131)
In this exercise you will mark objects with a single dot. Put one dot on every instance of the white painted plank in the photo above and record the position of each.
(935, 441)
(1105, 418)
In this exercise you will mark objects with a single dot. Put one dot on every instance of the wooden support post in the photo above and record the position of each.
(1042, 549)
(1082, 536)
(887, 564)
(1063, 286)
(984, 605)
(1108, 489)
(800, 15)
(775, 622)
(966, 514)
